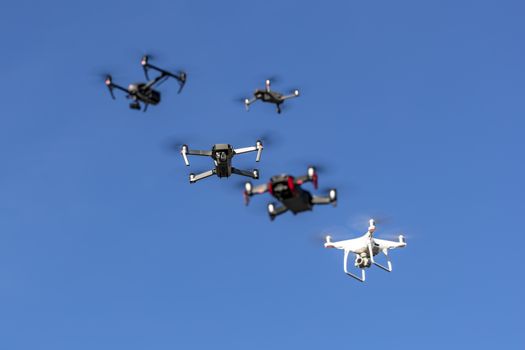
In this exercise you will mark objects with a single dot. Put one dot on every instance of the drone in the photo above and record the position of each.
(267, 95)
(145, 92)
(222, 155)
(287, 190)
(365, 248)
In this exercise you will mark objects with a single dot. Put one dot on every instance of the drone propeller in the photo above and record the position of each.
(174, 144)
(320, 166)
(273, 78)
(269, 139)
(295, 92)
(359, 222)
(318, 237)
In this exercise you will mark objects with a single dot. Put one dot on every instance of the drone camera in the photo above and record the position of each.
(134, 105)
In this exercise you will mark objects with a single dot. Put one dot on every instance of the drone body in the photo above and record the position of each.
(269, 96)
(288, 191)
(365, 249)
(222, 155)
(144, 92)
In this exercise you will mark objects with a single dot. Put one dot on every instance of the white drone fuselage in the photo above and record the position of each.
(365, 248)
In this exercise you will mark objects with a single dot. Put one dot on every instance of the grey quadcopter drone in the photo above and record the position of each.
(144, 92)
(270, 96)
(222, 155)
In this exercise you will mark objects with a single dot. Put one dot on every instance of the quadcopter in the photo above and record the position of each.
(145, 92)
(365, 248)
(267, 95)
(222, 155)
(287, 190)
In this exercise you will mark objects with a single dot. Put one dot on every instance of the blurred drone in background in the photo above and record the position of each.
(365, 248)
(145, 92)
(267, 95)
(288, 191)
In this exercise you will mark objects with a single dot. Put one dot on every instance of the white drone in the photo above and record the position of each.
(365, 248)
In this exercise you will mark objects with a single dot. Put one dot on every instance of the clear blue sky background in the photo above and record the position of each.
(416, 107)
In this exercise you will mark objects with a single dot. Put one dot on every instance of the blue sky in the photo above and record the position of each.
(416, 108)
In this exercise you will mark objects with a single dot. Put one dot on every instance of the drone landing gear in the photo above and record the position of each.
(274, 211)
(278, 108)
(345, 267)
(387, 268)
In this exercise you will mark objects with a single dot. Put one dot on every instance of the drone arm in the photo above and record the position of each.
(321, 200)
(181, 78)
(258, 147)
(260, 189)
(112, 86)
(193, 152)
(253, 174)
(248, 102)
(275, 211)
(185, 152)
(295, 93)
(387, 268)
(311, 176)
(194, 178)
(302, 179)
(160, 70)
(118, 87)
(345, 267)
(249, 191)
(155, 81)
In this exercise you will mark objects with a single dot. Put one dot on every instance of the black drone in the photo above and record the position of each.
(145, 92)
(222, 155)
(267, 95)
(287, 190)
